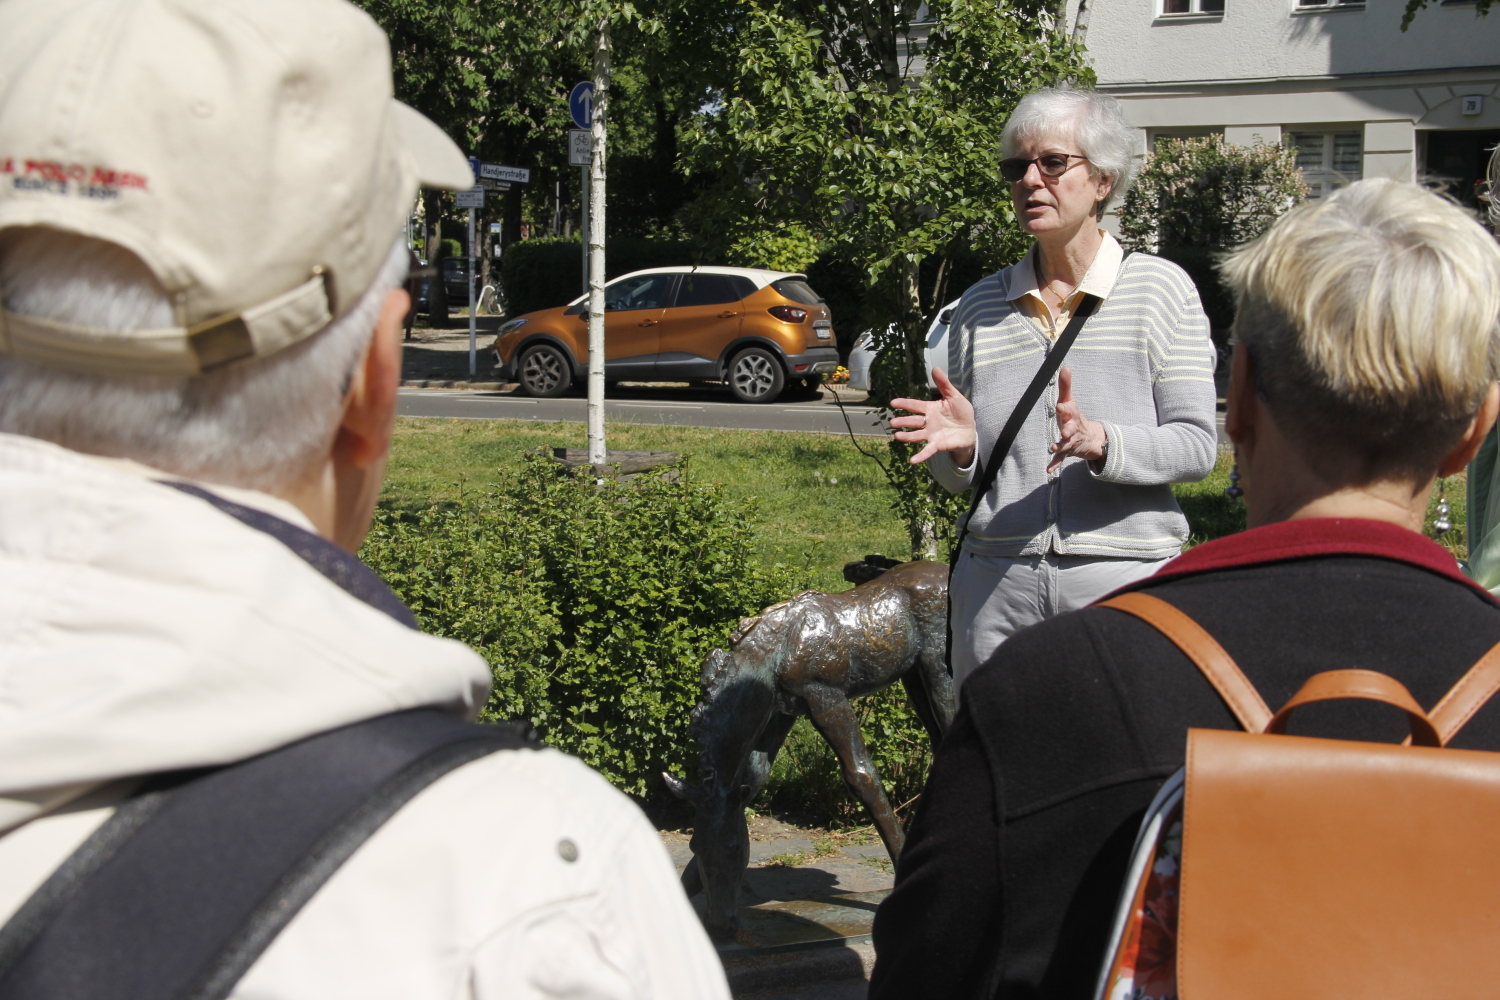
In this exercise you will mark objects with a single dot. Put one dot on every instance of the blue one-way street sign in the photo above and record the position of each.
(581, 104)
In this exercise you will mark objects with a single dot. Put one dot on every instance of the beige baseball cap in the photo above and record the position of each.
(250, 152)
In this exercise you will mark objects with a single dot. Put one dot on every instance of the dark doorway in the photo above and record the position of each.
(1457, 161)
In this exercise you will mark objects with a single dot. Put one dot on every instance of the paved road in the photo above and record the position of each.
(680, 407)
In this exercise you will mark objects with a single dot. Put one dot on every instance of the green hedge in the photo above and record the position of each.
(547, 272)
(594, 606)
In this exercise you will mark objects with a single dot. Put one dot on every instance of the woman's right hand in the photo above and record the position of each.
(945, 424)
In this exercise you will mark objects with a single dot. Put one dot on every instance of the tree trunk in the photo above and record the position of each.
(595, 194)
(437, 294)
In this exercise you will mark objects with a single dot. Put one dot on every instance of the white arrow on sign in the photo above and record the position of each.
(499, 172)
(472, 198)
(580, 145)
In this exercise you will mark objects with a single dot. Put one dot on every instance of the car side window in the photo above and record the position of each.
(709, 289)
(648, 291)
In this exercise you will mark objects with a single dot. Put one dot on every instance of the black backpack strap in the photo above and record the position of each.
(338, 566)
(184, 887)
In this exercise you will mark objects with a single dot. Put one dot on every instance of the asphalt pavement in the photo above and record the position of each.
(682, 407)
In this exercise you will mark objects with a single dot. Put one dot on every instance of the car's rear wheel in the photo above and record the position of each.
(545, 372)
(756, 376)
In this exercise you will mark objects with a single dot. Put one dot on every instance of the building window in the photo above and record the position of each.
(1169, 7)
(1328, 4)
(1329, 160)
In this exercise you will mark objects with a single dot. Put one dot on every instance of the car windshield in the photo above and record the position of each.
(646, 291)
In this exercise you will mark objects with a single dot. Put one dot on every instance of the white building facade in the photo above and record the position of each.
(1339, 80)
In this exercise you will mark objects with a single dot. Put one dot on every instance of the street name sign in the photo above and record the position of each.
(500, 172)
(490, 185)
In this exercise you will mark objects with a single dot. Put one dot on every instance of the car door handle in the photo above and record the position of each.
(727, 313)
(648, 322)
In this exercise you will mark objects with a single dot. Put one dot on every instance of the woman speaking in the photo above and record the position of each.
(1081, 501)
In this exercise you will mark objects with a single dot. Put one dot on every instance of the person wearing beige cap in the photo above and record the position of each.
(230, 764)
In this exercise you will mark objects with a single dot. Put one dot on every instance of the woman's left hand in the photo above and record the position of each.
(1080, 437)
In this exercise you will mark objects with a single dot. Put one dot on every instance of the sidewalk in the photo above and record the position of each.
(807, 905)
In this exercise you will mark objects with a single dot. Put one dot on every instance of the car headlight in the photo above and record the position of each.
(511, 327)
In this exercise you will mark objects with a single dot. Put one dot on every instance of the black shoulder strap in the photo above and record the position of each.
(342, 569)
(179, 892)
(988, 470)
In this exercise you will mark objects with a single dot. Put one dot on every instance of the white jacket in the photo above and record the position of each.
(143, 630)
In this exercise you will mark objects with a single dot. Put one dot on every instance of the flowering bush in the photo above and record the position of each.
(1208, 193)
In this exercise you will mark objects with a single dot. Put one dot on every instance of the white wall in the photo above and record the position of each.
(1272, 40)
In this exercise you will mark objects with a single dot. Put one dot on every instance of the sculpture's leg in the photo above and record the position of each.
(758, 767)
(938, 683)
(835, 719)
(916, 690)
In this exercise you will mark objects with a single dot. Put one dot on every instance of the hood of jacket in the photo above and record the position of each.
(143, 630)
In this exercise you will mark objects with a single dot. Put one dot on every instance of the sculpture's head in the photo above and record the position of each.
(721, 845)
(736, 700)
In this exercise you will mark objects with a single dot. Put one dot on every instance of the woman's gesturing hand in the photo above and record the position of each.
(1080, 436)
(945, 424)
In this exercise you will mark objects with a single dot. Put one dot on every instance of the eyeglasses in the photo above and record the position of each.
(1050, 165)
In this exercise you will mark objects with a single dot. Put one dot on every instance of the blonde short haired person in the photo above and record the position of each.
(1083, 501)
(201, 204)
(1368, 343)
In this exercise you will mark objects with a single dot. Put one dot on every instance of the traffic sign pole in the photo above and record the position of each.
(473, 355)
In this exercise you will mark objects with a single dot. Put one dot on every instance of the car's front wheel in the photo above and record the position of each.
(544, 372)
(756, 376)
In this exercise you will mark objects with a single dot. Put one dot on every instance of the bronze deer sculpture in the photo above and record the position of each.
(808, 656)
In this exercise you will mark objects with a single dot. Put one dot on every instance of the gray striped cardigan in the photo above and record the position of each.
(1142, 365)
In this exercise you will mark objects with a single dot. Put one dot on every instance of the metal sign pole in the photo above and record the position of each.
(473, 360)
(584, 174)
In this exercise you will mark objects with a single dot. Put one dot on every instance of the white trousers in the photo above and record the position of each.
(994, 597)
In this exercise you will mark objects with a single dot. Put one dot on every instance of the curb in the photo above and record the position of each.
(435, 383)
(849, 960)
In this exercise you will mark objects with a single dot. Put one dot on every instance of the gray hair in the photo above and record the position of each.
(261, 425)
(1093, 120)
(1373, 320)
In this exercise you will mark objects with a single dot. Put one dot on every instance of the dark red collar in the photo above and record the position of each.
(1322, 536)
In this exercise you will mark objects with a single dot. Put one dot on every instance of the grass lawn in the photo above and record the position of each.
(819, 502)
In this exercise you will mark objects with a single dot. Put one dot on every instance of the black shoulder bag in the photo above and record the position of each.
(984, 477)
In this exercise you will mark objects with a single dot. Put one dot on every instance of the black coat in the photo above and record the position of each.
(1013, 866)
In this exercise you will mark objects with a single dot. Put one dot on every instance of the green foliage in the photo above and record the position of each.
(1481, 8)
(547, 272)
(594, 605)
(792, 250)
(1209, 193)
(827, 126)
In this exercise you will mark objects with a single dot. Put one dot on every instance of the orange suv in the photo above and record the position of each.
(753, 329)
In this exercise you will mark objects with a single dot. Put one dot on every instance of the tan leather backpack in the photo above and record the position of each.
(1275, 867)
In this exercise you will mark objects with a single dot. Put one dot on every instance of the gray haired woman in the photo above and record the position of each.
(1082, 503)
